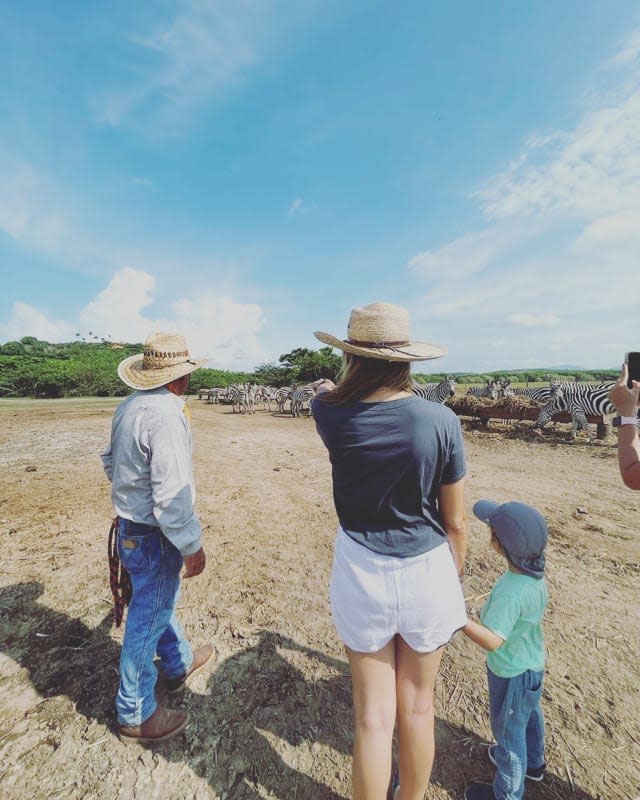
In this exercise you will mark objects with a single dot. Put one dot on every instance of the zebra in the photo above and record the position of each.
(578, 399)
(264, 395)
(436, 392)
(301, 400)
(242, 398)
(539, 394)
(488, 390)
(282, 395)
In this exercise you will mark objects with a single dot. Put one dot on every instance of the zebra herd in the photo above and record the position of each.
(245, 398)
(580, 400)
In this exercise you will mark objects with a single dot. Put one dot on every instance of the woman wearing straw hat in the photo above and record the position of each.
(149, 464)
(396, 598)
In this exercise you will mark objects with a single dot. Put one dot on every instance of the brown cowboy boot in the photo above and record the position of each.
(200, 658)
(160, 726)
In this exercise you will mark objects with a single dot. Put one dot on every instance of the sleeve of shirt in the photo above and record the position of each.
(107, 462)
(501, 613)
(455, 467)
(171, 483)
(317, 412)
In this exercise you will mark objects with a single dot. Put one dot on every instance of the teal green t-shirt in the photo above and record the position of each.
(514, 612)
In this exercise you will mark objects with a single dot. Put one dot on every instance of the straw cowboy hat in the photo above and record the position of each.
(381, 330)
(165, 359)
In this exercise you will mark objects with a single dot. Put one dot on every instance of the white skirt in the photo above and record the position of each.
(374, 597)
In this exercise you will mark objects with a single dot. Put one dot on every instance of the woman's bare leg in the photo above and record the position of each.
(416, 675)
(373, 679)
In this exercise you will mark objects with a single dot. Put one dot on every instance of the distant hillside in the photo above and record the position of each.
(34, 368)
(526, 375)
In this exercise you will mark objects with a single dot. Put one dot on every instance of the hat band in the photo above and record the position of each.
(155, 359)
(358, 343)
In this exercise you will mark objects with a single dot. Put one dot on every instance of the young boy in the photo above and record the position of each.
(511, 633)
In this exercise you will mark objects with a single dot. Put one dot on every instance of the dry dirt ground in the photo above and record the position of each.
(271, 713)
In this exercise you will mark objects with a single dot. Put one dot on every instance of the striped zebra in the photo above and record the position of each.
(265, 395)
(539, 394)
(579, 400)
(242, 398)
(301, 400)
(282, 395)
(490, 390)
(436, 392)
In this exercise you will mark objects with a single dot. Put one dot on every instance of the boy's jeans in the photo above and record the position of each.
(518, 727)
(152, 627)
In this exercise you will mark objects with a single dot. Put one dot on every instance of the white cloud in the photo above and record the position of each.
(629, 54)
(35, 212)
(469, 254)
(295, 206)
(25, 320)
(533, 320)
(558, 259)
(592, 170)
(216, 326)
(30, 207)
(206, 47)
(610, 230)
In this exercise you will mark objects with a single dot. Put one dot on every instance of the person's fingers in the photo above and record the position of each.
(624, 375)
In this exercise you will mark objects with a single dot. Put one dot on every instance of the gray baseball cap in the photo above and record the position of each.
(520, 529)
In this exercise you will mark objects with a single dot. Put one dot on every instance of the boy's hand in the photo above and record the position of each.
(482, 636)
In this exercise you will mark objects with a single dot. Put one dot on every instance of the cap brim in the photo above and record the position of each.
(412, 351)
(130, 372)
(484, 509)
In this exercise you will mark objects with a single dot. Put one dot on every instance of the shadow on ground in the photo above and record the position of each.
(257, 698)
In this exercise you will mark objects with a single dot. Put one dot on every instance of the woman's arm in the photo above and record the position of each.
(451, 505)
(625, 401)
(629, 456)
(485, 637)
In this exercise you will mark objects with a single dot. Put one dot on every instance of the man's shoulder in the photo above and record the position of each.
(154, 404)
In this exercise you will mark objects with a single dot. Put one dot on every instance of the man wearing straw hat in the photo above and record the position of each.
(149, 464)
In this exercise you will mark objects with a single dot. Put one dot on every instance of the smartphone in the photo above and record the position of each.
(633, 364)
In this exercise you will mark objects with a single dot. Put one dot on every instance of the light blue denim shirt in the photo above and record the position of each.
(149, 464)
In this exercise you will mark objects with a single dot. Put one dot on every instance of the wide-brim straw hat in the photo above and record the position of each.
(165, 359)
(381, 330)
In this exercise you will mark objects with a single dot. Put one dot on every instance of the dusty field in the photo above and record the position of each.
(271, 715)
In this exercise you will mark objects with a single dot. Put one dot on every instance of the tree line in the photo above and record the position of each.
(31, 367)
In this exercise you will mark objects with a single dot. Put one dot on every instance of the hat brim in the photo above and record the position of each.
(412, 351)
(484, 509)
(130, 371)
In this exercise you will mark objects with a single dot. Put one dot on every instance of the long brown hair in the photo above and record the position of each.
(361, 376)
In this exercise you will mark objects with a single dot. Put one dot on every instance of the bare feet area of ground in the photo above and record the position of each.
(271, 711)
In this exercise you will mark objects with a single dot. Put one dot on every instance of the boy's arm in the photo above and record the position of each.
(485, 637)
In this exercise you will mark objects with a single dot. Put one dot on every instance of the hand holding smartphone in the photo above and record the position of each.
(633, 368)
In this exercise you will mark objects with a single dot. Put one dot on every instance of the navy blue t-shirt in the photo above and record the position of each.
(388, 462)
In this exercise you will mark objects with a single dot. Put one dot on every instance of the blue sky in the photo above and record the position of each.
(248, 172)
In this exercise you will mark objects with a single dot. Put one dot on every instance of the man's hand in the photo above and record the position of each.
(194, 564)
(624, 399)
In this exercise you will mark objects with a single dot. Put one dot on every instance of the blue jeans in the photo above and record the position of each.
(152, 627)
(518, 727)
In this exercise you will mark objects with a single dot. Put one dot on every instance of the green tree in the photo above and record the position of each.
(309, 365)
(12, 349)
